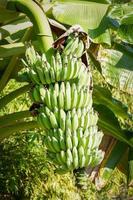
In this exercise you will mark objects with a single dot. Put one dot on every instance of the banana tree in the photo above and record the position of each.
(104, 39)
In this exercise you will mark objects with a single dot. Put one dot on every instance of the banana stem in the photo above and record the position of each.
(19, 126)
(12, 118)
(9, 97)
(39, 20)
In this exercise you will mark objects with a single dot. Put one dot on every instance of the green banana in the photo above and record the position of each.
(36, 94)
(59, 159)
(74, 139)
(69, 144)
(80, 49)
(62, 119)
(74, 45)
(68, 120)
(48, 99)
(40, 73)
(79, 133)
(69, 159)
(33, 76)
(68, 97)
(46, 73)
(52, 75)
(44, 120)
(74, 98)
(42, 92)
(80, 102)
(67, 49)
(56, 113)
(50, 144)
(62, 139)
(63, 156)
(56, 88)
(55, 144)
(81, 155)
(75, 158)
(53, 120)
(61, 99)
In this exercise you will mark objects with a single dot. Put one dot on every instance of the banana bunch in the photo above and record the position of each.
(62, 88)
(64, 96)
(73, 119)
(60, 68)
(75, 46)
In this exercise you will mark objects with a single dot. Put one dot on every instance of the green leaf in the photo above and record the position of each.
(123, 13)
(117, 68)
(125, 32)
(103, 96)
(6, 15)
(111, 162)
(12, 49)
(109, 124)
(14, 28)
(89, 14)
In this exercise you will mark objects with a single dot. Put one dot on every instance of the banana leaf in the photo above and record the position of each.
(117, 68)
(125, 32)
(112, 159)
(14, 27)
(103, 96)
(123, 13)
(91, 16)
(110, 125)
(7, 15)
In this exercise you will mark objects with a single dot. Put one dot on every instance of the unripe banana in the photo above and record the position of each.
(74, 45)
(74, 99)
(75, 158)
(58, 67)
(62, 119)
(54, 99)
(67, 49)
(57, 115)
(80, 102)
(88, 157)
(53, 120)
(55, 144)
(79, 133)
(68, 97)
(74, 139)
(63, 156)
(36, 94)
(81, 156)
(33, 76)
(69, 158)
(47, 74)
(80, 49)
(68, 120)
(56, 89)
(44, 120)
(76, 69)
(50, 144)
(68, 139)
(42, 92)
(58, 157)
(61, 99)
(48, 99)
(62, 139)
(52, 75)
